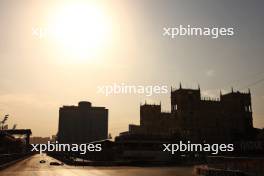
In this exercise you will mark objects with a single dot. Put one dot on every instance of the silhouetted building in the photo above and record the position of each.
(39, 140)
(199, 119)
(53, 138)
(82, 123)
(10, 144)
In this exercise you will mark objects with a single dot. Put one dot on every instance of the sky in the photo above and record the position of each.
(122, 42)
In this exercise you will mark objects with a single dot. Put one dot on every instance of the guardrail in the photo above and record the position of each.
(8, 159)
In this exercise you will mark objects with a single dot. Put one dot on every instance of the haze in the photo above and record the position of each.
(39, 75)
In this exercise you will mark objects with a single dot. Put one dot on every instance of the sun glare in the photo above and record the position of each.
(81, 30)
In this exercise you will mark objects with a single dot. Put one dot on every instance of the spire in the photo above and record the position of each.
(249, 91)
(220, 92)
(232, 90)
(198, 86)
(180, 86)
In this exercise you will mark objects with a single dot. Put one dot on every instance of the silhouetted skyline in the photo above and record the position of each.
(38, 75)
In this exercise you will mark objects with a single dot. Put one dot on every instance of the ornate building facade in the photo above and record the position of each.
(198, 119)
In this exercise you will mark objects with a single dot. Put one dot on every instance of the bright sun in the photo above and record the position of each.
(81, 30)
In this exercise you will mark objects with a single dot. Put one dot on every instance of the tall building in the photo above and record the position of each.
(82, 124)
(200, 119)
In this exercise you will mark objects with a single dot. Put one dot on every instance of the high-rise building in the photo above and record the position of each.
(82, 124)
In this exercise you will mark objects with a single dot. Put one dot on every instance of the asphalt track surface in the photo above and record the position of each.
(32, 167)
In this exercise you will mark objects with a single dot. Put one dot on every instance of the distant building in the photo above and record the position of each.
(53, 138)
(198, 119)
(39, 140)
(82, 123)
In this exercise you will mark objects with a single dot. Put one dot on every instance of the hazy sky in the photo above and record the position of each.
(39, 75)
